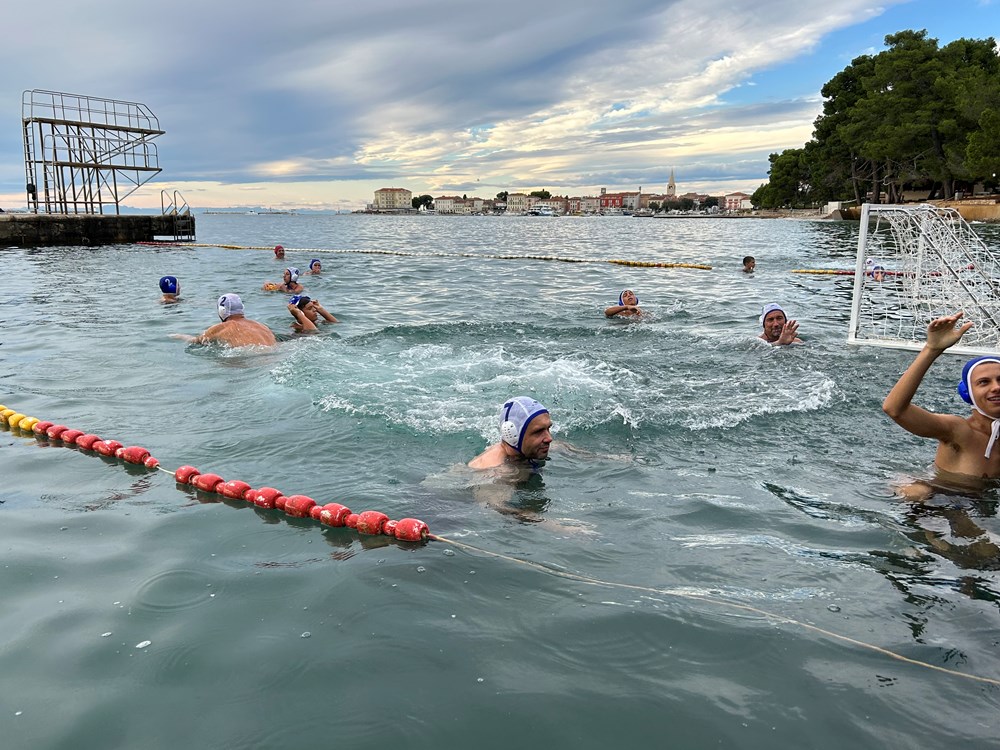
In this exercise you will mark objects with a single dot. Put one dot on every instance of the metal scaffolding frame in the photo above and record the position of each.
(83, 154)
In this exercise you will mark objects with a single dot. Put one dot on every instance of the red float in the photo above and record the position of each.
(334, 514)
(107, 447)
(371, 522)
(135, 454)
(264, 497)
(389, 528)
(39, 428)
(351, 521)
(279, 502)
(151, 463)
(299, 506)
(207, 482)
(69, 436)
(411, 530)
(234, 489)
(56, 430)
(120, 451)
(87, 441)
(185, 474)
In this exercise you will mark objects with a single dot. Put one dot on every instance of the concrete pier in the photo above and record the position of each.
(45, 230)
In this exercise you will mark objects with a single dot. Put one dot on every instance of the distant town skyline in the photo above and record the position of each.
(319, 108)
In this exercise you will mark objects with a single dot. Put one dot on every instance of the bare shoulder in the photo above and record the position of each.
(488, 459)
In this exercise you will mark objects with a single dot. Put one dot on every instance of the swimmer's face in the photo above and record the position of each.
(317, 266)
(287, 276)
(774, 321)
(537, 438)
(749, 266)
(628, 297)
(279, 254)
(311, 310)
(986, 387)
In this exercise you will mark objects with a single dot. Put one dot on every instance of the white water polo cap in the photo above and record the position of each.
(230, 304)
(770, 308)
(294, 273)
(515, 416)
(965, 391)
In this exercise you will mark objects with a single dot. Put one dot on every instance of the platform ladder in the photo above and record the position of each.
(174, 205)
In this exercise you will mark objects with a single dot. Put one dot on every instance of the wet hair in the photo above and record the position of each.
(748, 259)
(300, 301)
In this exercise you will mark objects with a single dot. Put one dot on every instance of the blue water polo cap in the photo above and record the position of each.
(300, 301)
(770, 308)
(313, 263)
(515, 416)
(965, 384)
(229, 305)
(168, 285)
(622, 294)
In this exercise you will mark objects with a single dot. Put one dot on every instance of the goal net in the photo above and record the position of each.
(916, 263)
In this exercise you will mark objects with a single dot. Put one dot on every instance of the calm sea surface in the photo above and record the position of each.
(719, 511)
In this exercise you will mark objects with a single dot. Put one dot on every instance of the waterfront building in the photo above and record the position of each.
(393, 199)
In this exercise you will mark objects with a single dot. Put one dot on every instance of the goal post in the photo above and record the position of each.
(916, 263)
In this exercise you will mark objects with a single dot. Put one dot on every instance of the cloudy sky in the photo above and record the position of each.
(317, 103)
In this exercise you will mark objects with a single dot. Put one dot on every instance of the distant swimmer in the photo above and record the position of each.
(289, 283)
(778, 329)
(170, 288)
(315, 267)
(628, 304)
(235, 329)
(307, 312)
(749, 264)
(525, 436)
(279, 252)
(965, 444)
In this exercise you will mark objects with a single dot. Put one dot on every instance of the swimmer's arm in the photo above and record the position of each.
(941, 334)
(184, 337)
(789, 333)
(615, 309)
(326, 315)
(304, 324)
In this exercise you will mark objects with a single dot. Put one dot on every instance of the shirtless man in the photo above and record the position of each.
(965, 444)
(525, 436)
(628, 304)
(235, 329)
(306, 312)
(778, 329)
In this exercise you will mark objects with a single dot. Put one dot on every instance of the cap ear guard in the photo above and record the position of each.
(963, 391)
(509, 433)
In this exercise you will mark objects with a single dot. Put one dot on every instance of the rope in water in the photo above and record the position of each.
(407, 529)
(405, 253)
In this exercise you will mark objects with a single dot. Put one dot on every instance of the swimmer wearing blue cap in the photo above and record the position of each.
(778, 329)
(289, 283)
(525, 435)
(307, 312)
(966, 446)
(171, 289)
(628, 305)
(235, 329)
(315, 267)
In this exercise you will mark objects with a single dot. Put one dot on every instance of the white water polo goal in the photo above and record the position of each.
(916, 263)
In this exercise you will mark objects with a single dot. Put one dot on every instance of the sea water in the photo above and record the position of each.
(704, 561)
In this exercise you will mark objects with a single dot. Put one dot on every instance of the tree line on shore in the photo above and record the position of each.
(914, 117)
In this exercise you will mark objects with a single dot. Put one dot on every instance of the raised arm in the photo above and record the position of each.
(941, 333)
(300, 318)
(325, 315)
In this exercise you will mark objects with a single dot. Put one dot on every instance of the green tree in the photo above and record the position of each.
(502, 196)
(421, 200)
(542, 194)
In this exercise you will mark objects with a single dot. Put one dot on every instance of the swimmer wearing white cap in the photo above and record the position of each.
(778, 329)
(525, 435)
(966, 445)
(235, 329)
(289, 283)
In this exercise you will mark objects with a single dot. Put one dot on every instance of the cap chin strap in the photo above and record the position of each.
(994, 431)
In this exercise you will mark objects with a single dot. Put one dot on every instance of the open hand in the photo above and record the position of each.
(942, 333)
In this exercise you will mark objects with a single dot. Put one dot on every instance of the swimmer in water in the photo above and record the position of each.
(279, 252)
(171, 290)
(315, 267)
(307, 312)
(628, 304)
(289, 283)
(965, 444)
(525, 436)
(235, 329)
(749, 264)
(778, 329)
